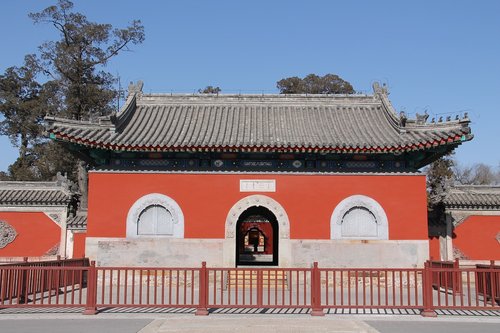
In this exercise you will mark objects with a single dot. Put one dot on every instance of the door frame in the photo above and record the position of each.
(284, 245)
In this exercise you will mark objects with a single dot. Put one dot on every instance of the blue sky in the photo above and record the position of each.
(439, 56)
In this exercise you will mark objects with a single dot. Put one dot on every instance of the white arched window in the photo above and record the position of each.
(359, 217)
(155, 215)
(359, 222)
(155, 220)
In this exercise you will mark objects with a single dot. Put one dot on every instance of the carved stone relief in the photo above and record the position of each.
(7, 234)
(53, 250)
(457, 254)
(458, 218)
(55, 217)
(258, 200)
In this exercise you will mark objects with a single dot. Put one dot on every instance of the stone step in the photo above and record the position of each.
(248, 278)
(253, 276)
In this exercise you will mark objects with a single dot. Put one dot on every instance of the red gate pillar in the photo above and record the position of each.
(202, 309)
(316, 309)
(428, 310)
(91, 307)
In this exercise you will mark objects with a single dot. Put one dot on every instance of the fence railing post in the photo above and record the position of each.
(202, 309)
(457, 277)
(428, 310)
(494, 280)
(91, 306)
(316, 309)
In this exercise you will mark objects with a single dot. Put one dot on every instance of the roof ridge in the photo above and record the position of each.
(31, 185)
(222, 95)
(301, 123)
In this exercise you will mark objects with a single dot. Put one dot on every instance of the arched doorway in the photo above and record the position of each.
(257, 237)
(283, 231)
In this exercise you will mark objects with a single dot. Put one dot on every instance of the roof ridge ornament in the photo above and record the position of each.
(422, 118)
(402, 119)
(378, 90)
(135, 88)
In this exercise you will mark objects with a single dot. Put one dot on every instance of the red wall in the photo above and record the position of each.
(476, 237)
(36, 234)
(79, 245)
(206, 199)
(434, 248)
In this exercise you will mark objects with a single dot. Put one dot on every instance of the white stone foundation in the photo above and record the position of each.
(154, 252)
(360, 253)
(157, 252)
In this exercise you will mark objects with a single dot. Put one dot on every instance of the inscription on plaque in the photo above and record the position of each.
(257, 185)
(257, 164)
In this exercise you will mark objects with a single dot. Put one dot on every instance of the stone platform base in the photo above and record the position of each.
(158, 252)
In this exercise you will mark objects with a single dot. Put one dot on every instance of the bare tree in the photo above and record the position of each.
(477, 174)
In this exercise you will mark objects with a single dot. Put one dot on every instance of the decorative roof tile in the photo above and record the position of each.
(34, 194)
(474, 197)
(268, 123)
(78, 222)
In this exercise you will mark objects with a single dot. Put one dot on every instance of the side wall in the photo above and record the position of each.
(478, 238)
(434, 248)
(37, 235)
(79, 244)
(308, 200)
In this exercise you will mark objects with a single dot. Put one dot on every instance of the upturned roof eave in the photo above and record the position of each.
(419, 146)
(108, 134)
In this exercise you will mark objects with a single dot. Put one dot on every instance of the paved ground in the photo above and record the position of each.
(74, 325)
(131, 321)
(394, 326)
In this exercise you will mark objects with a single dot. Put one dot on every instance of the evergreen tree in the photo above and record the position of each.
(22, 108)
(77, 59)
(76, 86)
(440, 177)
(209, 90)
(314, 84)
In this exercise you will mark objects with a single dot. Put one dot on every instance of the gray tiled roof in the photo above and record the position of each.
(78, 222)
(474, 197)
(33, 193)
(338, 123)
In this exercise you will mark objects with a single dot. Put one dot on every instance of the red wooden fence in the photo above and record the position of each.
(488, 281)
(372, 288)
(447, 276)
(20, 280)
(202, 288)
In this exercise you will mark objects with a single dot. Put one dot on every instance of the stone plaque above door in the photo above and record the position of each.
(257, 185)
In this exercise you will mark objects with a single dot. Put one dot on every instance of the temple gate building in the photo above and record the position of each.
(275, 180)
